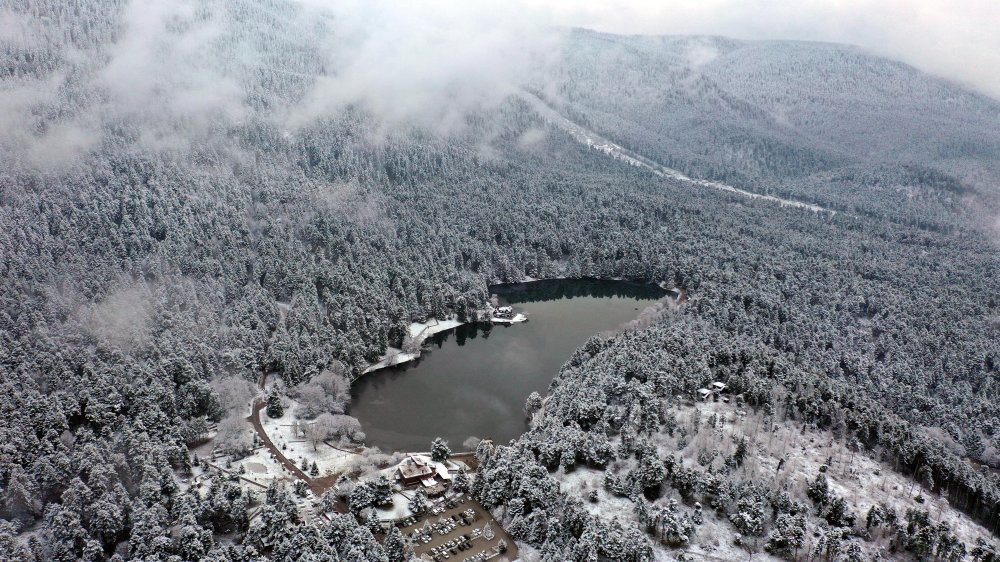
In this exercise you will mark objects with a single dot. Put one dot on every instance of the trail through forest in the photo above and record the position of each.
(593, 140)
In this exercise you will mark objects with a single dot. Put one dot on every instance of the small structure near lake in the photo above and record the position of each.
(420, 470)
(505, 315)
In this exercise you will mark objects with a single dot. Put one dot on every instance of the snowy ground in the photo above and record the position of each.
(287, 434)
(581, 481)
(260, 468)
(393, 356)
(419, 331)
(399, 508)
(859, 479)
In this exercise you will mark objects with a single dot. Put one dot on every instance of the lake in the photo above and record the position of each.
(475, 379)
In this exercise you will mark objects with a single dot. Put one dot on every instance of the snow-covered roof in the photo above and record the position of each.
(718, 385)
(414, 467)
(442, 471)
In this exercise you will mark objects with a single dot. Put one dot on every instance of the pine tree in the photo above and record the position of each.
(462, 482)
(274, 407)
(532, 404)
(439, 450)
(395, 546)
(362, 497)
(787, 536)
(418, 502)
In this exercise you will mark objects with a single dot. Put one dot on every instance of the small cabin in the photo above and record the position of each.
(718, 387)
(704, 394)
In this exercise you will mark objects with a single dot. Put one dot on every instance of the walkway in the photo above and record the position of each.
(275, 452)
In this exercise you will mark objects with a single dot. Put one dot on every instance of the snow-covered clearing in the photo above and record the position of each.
(861, 480)
(420, 331)
(713, 539)
(601, 144)
(581, 481)
(288, 435)
(858, 478)
(260, 468)
(398, 510)
(707, 434)
(393, 356)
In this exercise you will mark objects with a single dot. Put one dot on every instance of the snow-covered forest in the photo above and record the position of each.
(195, 220)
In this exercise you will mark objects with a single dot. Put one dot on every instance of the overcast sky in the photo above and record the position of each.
(957, 39)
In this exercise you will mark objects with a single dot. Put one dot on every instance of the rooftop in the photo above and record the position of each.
(415, 467)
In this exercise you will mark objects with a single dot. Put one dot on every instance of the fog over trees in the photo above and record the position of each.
(179, 215)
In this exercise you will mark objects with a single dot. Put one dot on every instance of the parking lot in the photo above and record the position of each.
(457, 533)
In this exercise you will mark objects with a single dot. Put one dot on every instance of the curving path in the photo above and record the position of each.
(593, 140)
(317, 485)
(254, 420)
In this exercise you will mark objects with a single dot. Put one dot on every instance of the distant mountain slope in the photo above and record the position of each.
(755, 111)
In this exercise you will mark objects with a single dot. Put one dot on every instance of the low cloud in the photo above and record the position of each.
(955, 40)
(61, 146)
(428, 63)
(121, 320)
(178, 72)
(169, 70)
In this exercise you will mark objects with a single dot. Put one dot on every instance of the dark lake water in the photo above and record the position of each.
(475, 379)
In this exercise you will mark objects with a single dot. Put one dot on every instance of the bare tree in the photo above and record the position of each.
(319, 429)
(331, 426)
(234, 392)
(327, 392)
(234, 437)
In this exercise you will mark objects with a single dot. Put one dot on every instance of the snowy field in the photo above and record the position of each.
(399, 509)
(287, 434)
(261, 469)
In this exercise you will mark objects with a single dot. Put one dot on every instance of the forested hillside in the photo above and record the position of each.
(172, 212)
(823, 123)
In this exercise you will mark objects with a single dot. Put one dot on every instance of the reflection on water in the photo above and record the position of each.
(478, 387)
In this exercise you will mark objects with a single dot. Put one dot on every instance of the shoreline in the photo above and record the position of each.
(420, 331)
